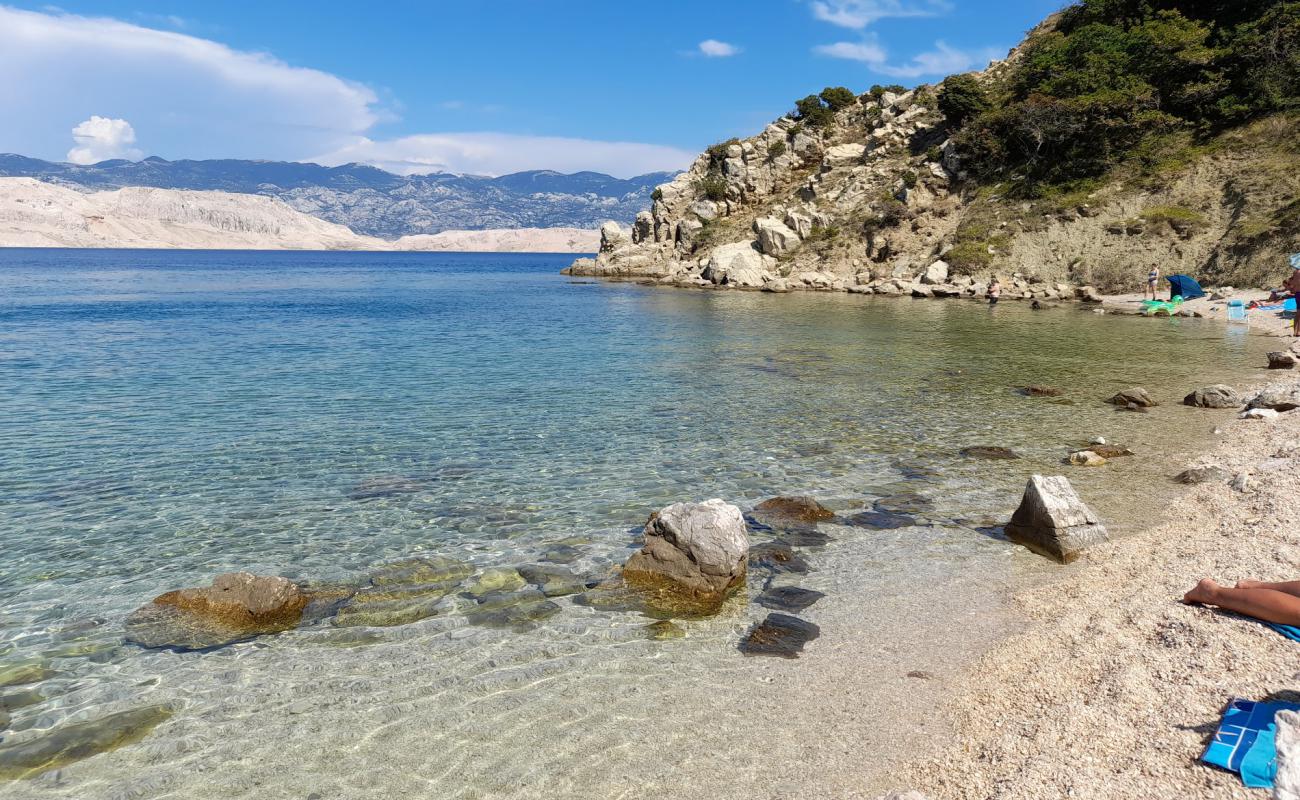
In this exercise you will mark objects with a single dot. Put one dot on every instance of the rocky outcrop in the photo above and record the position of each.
(1216, 396)
(738, 265)
(1137, 396)
(1053, 520)
(237, 606)
(694, 551)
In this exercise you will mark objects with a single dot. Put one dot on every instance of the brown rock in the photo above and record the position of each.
(1281, 359)
(800, 508)
(695, 552)
(1137, 396)
(237, 606)
(1040, 391)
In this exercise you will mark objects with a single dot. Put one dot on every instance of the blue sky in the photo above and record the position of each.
(486, 86)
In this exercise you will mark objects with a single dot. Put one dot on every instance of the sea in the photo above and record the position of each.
(167, 416)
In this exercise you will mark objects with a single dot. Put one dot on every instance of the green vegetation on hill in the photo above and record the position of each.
(1118, 80)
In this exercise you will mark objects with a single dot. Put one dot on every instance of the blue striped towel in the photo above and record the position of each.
(1244, 741)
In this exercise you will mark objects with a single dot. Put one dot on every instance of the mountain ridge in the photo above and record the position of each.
(369, 200)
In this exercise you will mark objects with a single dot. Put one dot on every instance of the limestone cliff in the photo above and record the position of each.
(876, 201)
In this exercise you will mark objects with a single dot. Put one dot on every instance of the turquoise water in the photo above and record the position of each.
(166, 416)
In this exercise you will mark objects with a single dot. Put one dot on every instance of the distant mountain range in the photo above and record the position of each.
(371, 201)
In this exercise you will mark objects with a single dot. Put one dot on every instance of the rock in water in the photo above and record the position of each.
(1086, 458)
(788, 598)
(1109, 450)
(1040, 391)
(777, 557)
(1286, 786)
(984, 451)
(800, 509)
(237, 606)
(1216, 396)
(1137, 396)
(697, 551)
(1278, 398)
(1281, 359)
(1053, 520)
(403, 592)
(779, 635)
(78, 740)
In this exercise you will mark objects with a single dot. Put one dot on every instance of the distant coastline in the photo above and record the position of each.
(38, 214)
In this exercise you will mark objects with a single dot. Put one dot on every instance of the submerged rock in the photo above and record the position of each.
(561, 554)
(1053, 520)
(989, 452)
(496, 579)
(1137, 396)
(695, 550)
(1110, 450)
(1216, 396)
(788, 598)
(555, 581)
(384, 486)
(665, 629)
(78, 740)
(20, 674)
(799, 508)
(520, 611)
(904, 503)
(1040, 391)
(777, 557)
(882, 520)
(237, 606)
(403, 592)
(779, 635)
(1281, 359)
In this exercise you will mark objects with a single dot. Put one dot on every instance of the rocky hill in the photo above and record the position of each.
(373, 202)
(38, 214)
(934, 190)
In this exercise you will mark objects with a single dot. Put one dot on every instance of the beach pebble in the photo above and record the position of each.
(1258, 413)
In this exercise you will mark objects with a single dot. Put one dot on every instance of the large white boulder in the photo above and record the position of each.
(1286, 786)
(738, 264)
(698, 549)
(935, 273)
(612, 237)
(1052, 519)
(844, 155)
(774, 238)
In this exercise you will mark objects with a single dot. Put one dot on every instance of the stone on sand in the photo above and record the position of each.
(1216, 396)
(1053, 520)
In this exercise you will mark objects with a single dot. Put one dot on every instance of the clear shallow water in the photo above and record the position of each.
(168, 416)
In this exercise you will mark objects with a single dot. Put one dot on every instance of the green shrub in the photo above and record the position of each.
(838, 98)
(1183, 220)
(657, 194)
(960, 98)
(718, 152)
(776, 149)
(813, 112)
(970, 257)
(909, 179)
(934, 154)
(712, 186)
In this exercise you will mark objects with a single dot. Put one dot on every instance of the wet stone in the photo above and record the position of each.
(904, 503)
(1110, 450)
(370, 611)
(989, 452)
(777, 557)
(779, 635)
(665, 629)
(519, 611)
(561, 554)
(798, 509)
(1210, 474)
(20, 674)
(788, 598)
(20, 699)
(882, 520)
(78, 740)
(555, 581)
(1039, 391)
(421, 570)
(496, 579)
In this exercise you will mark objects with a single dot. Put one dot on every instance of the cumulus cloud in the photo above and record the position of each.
(858, 14)
(186, 95)
(100, 138)
(942, 61)
(491, 153)
(716, 49)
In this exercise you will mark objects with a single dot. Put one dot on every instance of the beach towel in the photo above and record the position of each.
(1289, 631)
(1244, 742)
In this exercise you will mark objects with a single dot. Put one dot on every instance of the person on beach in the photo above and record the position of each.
(1272, 602)
(1153, 278)
(994, 292)
(1292, 285)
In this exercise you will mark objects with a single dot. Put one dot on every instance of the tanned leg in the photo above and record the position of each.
(1266, 604)
(1290, 587)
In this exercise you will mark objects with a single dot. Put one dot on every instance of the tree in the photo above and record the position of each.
(960, 98)
(838, 97)
(813, 112)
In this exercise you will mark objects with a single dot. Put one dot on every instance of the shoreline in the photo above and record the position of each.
(1115, 687)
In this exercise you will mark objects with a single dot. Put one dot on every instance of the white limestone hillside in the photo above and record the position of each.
(507, 240)
(38, 214)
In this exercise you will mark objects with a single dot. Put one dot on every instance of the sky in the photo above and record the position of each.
(470, 86)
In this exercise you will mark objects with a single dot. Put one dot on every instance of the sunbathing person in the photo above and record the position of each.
(1271, 602)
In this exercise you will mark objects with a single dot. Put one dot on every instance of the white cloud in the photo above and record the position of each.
(858, 14)
(491, 153)
(943, 61)
(100, 138)
(866, 52)
(715, 49)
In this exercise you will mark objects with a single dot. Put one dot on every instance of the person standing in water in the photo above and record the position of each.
(1153, 278)
(995, 291)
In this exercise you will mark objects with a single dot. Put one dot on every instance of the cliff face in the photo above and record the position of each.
(877, 202)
